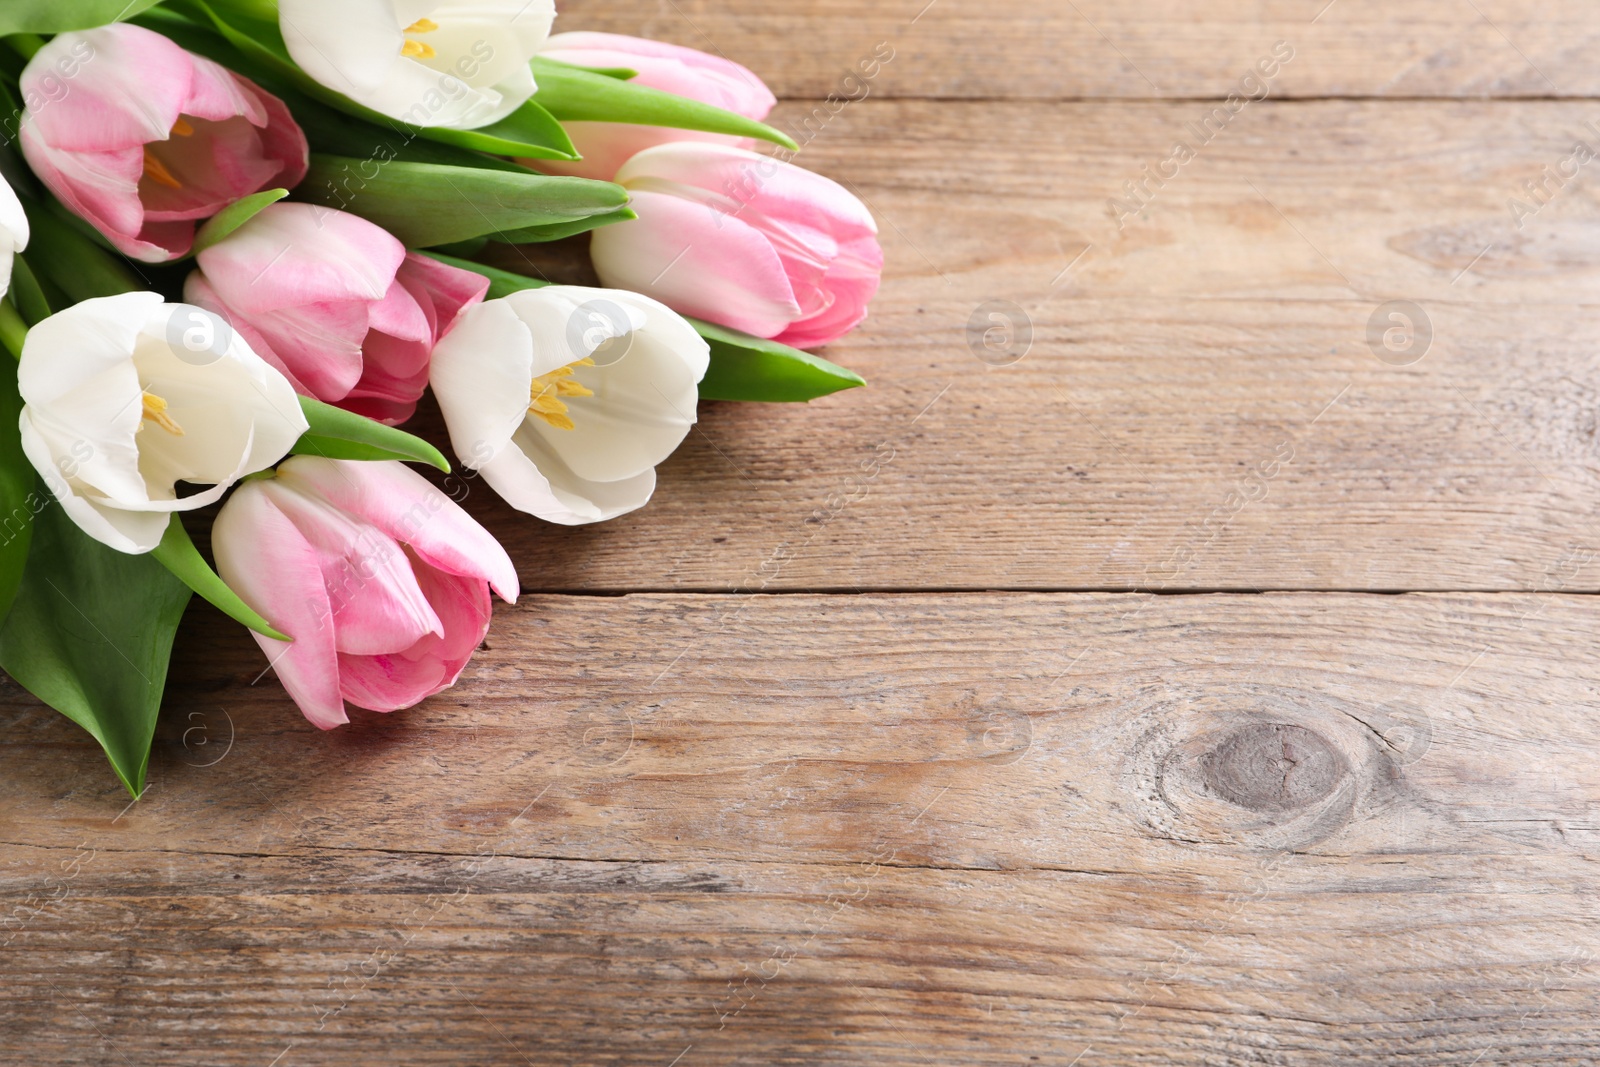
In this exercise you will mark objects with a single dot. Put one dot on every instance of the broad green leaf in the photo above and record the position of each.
(27, 294)
(72, 260)
(573, 94)
(742, 367)
(59, 16)
(18, 493)
(90, 634)
(749, 368)
(532, 235)
(233, 216)
(530, 131)
(177, 553)
(339, 434)
(426, 204)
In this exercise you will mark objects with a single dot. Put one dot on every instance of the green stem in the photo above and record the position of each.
(13, 331)
(26, 45)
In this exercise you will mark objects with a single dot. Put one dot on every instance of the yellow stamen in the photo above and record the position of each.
(418, 50)
(157, 171)
(181, 128)
(422, 26)
(155, 410)
(543, 400)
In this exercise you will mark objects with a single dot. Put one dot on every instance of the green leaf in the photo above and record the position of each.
(574, 94)
(339, 434)
(18, 500)
(532, 235)
(177, 553)
(233, 216)
(529, 131)
(72, 260)
(749, 368)
(426, 204)
(27, 294)
(59, 16)
(742, 367)
(91, 633)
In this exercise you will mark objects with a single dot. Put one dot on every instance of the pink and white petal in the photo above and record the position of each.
(450, 290)
(102, 187)
(698, 262)
(274, 569)
(282, 139)
(778, 190)
(216, 93)
(668, 67)
(400, 316)
(408, 508)
(292, 254)
(197, 291)
(400, 680)
(130, 90)
(320, 343)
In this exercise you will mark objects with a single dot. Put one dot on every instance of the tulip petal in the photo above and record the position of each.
(266, 560)
(645, 395)
(292, 254)
(408, 508)
(130, 88)
(449, 290)
(562, 497)
(373, 595)
(698, 261)
(392, 681)
(482, 374)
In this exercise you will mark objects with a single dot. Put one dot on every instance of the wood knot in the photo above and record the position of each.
(1273, 767)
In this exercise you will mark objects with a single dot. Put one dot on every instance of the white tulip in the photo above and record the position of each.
(566, 398)
(13, 232)
(126, 396)
(455, 63)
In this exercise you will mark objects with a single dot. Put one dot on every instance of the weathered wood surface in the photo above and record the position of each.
(1312, 828)
(1121, 49)
(1291, 828)
(1200, 408)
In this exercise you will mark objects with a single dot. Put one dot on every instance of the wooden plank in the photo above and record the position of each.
(1120, 49)
(1301, 828)
(1201, 407)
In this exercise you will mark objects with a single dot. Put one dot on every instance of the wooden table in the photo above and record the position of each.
(1187, 660)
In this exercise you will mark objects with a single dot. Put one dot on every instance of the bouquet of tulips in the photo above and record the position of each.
(239, 239)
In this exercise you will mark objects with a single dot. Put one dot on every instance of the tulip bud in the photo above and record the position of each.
(126, 396)
(606, 146)
(150, 139)
(336, 304)
(566, 398)
(743, 240)
(382, 580)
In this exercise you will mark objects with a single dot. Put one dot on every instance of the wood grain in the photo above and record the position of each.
(1298, 828)
(1200, 407)
(1121, 49)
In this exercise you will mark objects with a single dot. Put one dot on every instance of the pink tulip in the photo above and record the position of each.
(144, 139)
(606, 146)
(381, 579)
(743, 240)
(336, 304)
